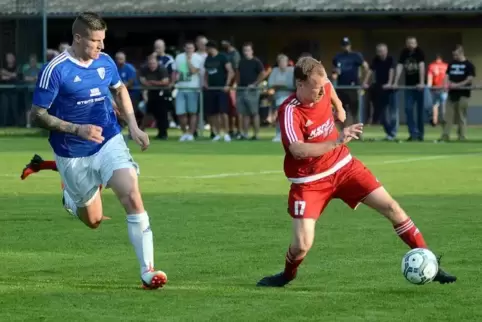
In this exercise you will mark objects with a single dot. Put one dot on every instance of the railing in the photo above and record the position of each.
(361, 90)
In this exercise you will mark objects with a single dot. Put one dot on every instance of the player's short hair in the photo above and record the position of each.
(88, 21)
(307, 66)
(189, 42)
(248, 44)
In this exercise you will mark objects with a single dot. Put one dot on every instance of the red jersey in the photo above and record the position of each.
(310, 124)
(437, 69)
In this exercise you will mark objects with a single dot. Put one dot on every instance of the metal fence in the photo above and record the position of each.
(16, 100)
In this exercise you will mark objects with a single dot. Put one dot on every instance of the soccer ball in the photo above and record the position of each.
(419, 266)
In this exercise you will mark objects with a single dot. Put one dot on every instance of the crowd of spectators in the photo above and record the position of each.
(233, 91)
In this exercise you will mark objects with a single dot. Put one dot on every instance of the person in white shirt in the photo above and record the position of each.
(188, 81)
(201, 42)
(281, 82)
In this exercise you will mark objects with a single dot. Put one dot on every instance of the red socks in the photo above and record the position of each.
(48, 165)
(410, 234)
(291, 265)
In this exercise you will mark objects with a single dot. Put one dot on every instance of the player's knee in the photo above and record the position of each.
(301, 246)
(393, 211)
(131, 201)
(94, 224)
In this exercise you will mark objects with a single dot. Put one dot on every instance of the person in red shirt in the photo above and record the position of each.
(320, 167)
(435, 80)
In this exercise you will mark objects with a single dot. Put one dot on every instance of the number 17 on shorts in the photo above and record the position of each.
(299, 207)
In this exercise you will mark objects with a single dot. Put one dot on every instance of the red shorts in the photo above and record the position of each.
(352, 183)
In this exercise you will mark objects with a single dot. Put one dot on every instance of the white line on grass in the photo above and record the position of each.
(267, 172)
(256, 173)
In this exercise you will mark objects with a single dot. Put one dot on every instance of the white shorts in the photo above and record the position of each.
(82, 176)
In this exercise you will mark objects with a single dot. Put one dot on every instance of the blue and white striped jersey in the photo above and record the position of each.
(78, 93)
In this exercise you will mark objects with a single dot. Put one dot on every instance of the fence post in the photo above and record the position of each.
(44, 30)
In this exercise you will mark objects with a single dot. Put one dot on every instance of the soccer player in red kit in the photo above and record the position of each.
(320, 167)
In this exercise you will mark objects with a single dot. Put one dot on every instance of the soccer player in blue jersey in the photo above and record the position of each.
(71, 99)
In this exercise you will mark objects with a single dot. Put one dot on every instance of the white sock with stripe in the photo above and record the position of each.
(140, 235)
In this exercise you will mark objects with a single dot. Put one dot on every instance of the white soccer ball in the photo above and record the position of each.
(419, 266)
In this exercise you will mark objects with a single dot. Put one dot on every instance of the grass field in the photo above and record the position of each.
(218, 213)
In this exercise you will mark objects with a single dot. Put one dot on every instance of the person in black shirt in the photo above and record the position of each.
(250, 74)
(382, 68)
(155, 75)
(460, 73)
(9, 97)
(412, 61)
(346, 70)
(218, 78)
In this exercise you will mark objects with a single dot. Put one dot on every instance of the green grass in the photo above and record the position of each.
(215, 237)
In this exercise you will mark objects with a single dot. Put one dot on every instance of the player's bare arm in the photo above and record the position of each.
(339, 110)
(303, 150)
(123, 101)
(49, 122)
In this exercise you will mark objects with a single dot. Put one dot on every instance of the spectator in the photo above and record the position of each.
(250, 73)
(128, 75)
(437, 71)
(30, 72)
(63, 46)
(346, 73)
(412, 61)
(461, 73)
(188, 65)
(382, 69)
(9, 96)
(234, 57)
(281, 82)
(201, 42)
(51, 54)
(232, 53)
(167, 61)
(219, 74)
(155, 75)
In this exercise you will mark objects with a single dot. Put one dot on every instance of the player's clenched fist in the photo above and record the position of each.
(351, 132)
(90, 132)
(140, 137)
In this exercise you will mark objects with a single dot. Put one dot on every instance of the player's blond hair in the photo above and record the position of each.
(307, 66)
(88, 21)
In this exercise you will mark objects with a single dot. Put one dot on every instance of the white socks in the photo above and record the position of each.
(140, 235)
